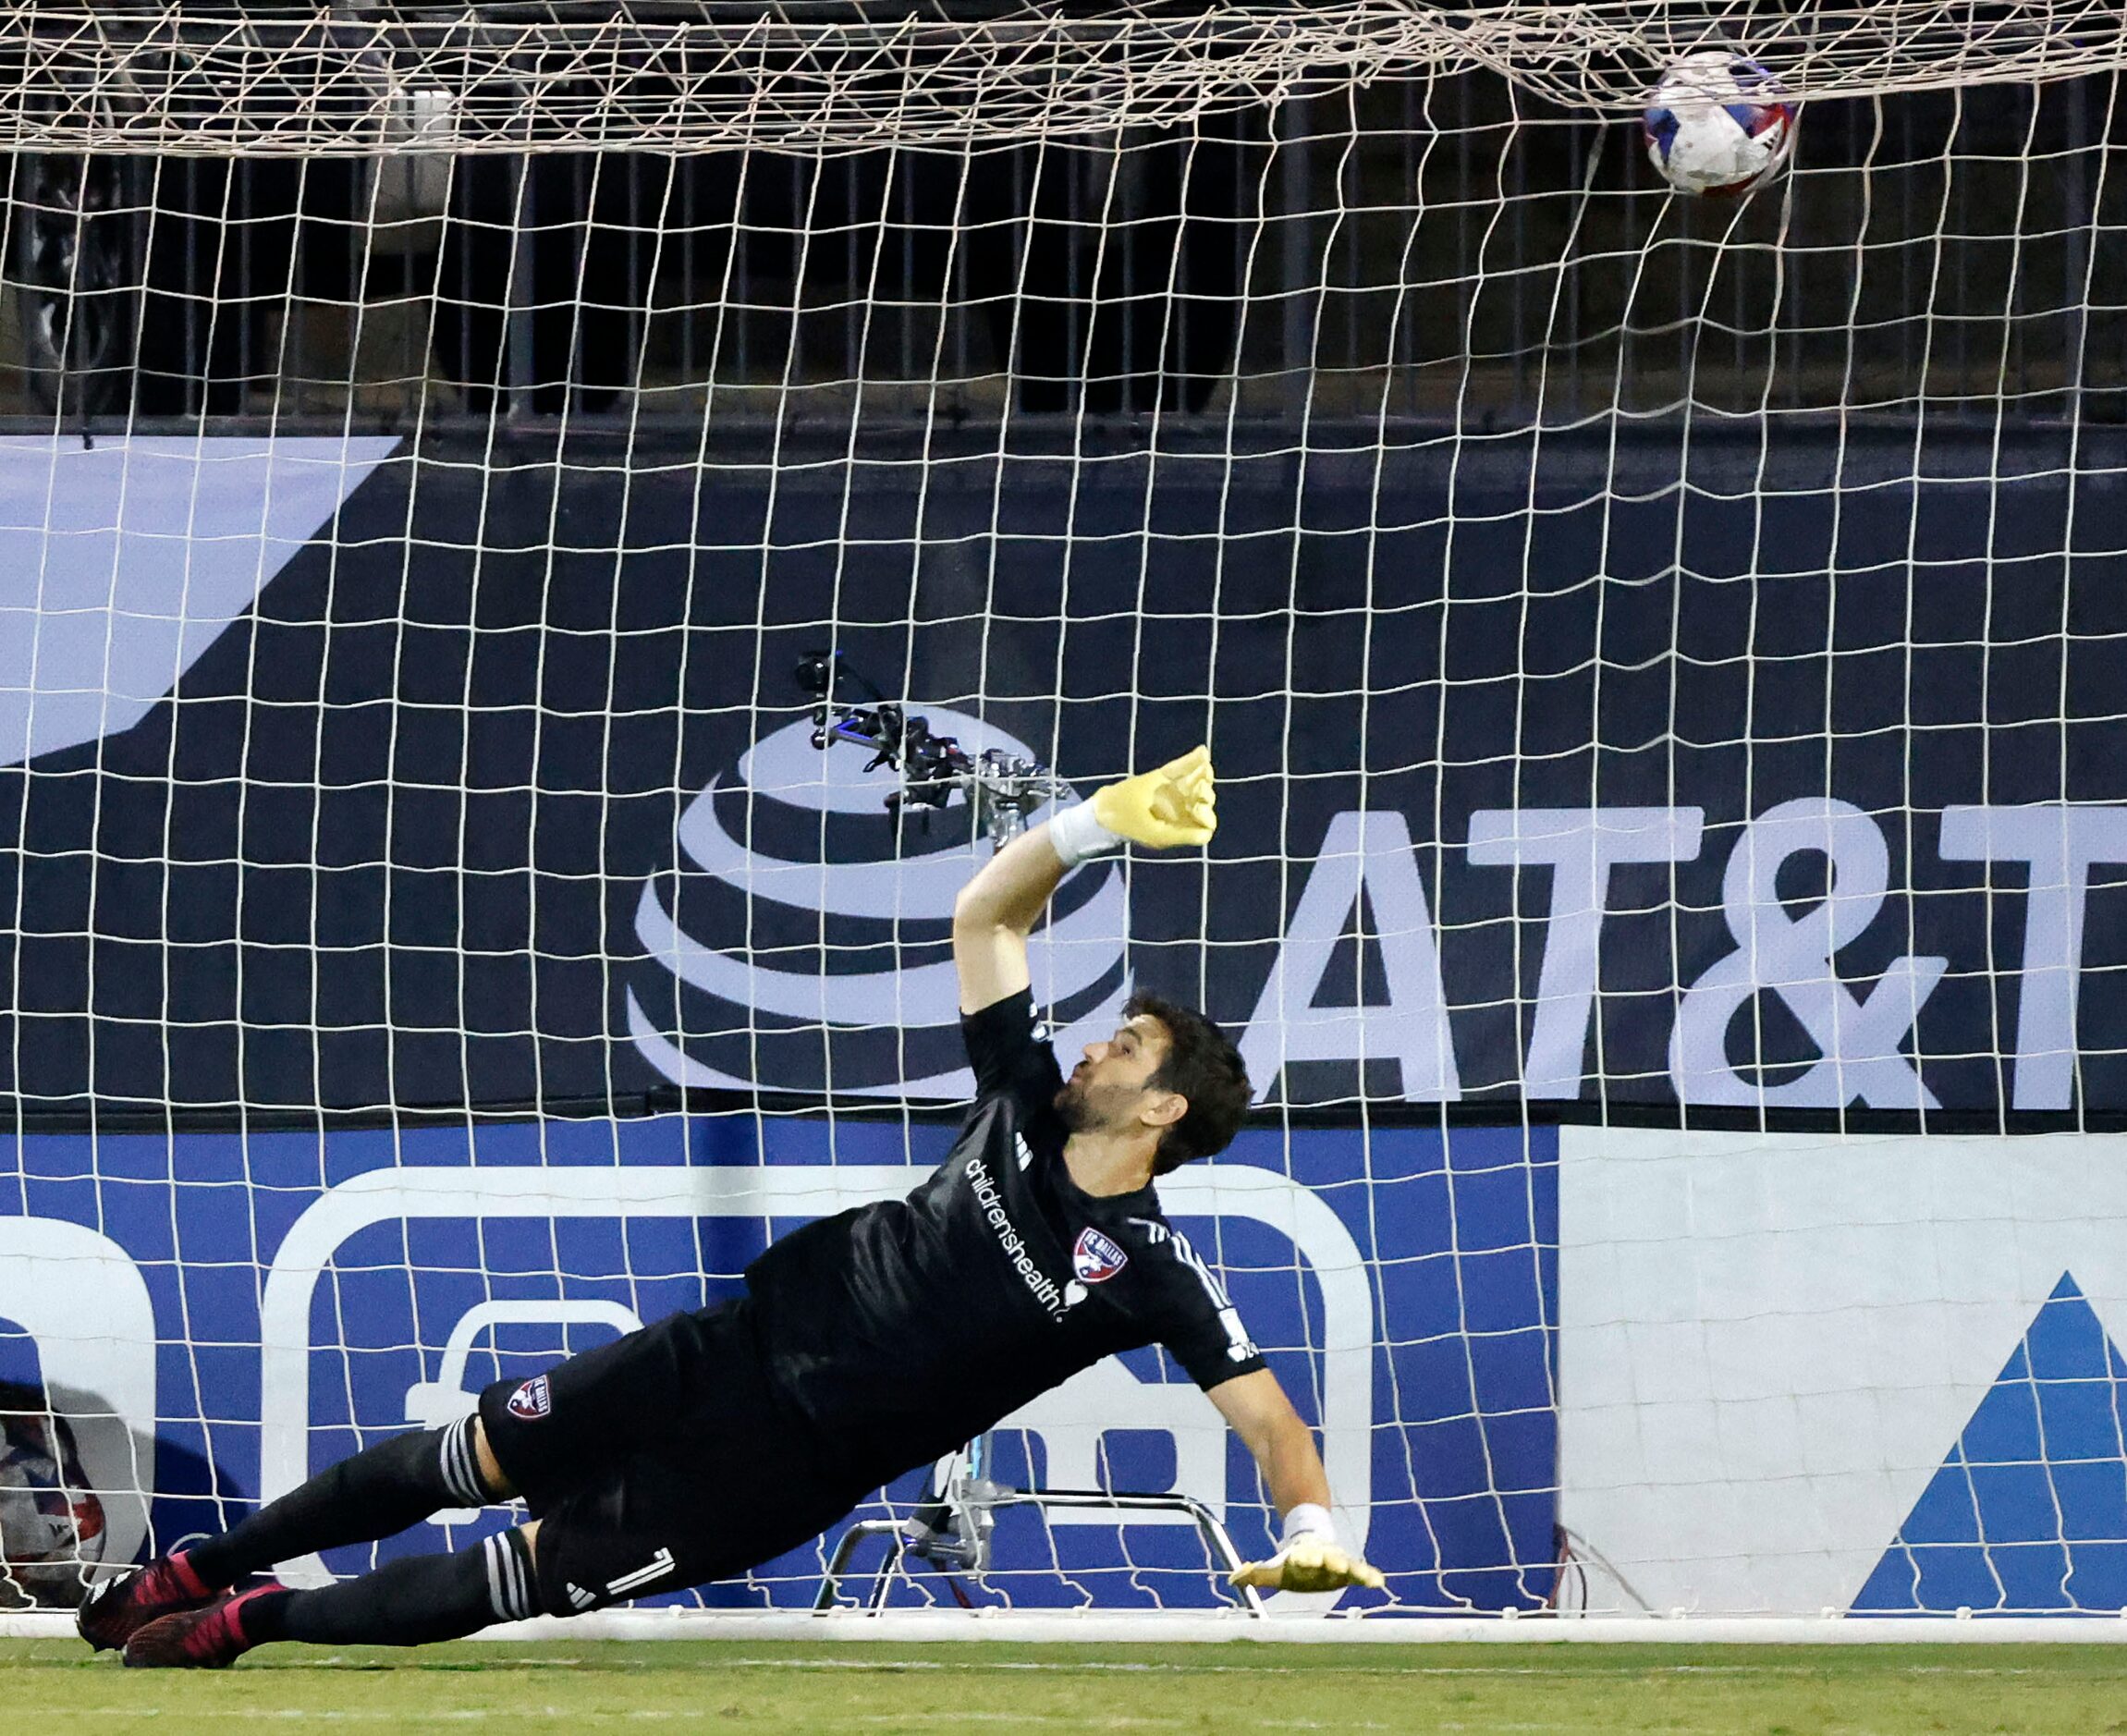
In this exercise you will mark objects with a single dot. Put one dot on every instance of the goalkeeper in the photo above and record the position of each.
(865, 1344)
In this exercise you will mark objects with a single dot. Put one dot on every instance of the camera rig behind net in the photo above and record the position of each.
(1003, 790)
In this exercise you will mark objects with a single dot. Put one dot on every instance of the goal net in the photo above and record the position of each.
(693, 75)
(1662, 657)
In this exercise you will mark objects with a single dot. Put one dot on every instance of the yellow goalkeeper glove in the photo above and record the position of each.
(1175, 806)
(1310, 1563)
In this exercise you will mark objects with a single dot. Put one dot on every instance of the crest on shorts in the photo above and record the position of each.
(532, 1401)
(1096, 1259)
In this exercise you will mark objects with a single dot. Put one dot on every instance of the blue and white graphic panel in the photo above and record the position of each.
(275, 1302)
(1801, 1373)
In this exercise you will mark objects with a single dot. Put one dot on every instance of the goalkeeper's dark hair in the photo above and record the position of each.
(1202, 1064)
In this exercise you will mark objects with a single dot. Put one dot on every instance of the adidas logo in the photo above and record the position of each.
(578, 1598)
(1026, 1151)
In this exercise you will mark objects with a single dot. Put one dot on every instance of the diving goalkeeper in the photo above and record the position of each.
(865, 1344)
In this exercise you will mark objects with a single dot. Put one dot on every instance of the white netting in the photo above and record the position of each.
(361, 80)
(433, 940)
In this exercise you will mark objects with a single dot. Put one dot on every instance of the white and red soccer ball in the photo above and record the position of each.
(50, 1522)
(1719, 126)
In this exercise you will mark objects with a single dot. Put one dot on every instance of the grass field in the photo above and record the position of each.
(51, 1686)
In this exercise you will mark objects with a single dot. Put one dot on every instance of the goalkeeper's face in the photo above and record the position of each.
(1111, 1090)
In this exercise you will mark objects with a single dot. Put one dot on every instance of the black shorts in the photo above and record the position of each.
(658, 1462)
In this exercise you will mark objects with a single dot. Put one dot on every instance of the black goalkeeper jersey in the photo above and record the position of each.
(901, 1330)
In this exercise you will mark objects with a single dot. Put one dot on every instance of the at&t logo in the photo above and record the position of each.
(803, 942)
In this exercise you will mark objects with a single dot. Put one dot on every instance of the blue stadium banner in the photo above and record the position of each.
(220, 1315)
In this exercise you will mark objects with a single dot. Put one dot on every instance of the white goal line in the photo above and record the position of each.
(1175, 1628)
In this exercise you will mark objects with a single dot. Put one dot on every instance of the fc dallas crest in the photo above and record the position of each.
(532, 1401)
(1096, 1259)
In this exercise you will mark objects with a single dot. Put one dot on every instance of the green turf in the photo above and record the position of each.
(49, 1686)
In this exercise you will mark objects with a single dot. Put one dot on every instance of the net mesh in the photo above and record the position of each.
(1432, 246)
(405, 808)
(361, 81)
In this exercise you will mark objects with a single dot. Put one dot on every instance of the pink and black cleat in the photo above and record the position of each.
(118, 1608)
(212, 1638)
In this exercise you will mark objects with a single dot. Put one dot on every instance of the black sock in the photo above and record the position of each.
(377, 1493)
(412, 1601)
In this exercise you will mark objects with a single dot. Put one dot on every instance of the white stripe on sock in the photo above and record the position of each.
(496, 1598)
(461, 1474)
(522, 1569)
(447, 1461)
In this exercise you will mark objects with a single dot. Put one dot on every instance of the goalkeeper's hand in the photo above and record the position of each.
(1309, 1563)
(1168, 809)
(1174, 806)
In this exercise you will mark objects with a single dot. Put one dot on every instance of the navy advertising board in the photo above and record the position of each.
(497, 792)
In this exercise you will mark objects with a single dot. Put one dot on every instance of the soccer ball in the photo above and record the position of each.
(1719, 126)
(50, 1522)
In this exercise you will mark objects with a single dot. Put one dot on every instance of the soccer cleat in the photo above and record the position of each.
(212, 1638)
(118, 1608)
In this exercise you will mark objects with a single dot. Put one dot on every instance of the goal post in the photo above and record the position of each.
(1662, 655)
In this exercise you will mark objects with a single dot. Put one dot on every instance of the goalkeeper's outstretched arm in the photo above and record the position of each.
(1309, 1556)
(997, 910)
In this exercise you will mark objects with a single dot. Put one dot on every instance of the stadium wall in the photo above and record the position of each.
(438, 824)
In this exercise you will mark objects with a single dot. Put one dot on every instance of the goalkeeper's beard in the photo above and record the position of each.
(1092, 1109)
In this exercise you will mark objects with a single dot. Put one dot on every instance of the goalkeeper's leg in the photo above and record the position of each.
(377, 1493)
(738, 1492)
(412, 1601)
(566, 1429)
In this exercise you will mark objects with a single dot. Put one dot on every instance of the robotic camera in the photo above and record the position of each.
(1002, 790)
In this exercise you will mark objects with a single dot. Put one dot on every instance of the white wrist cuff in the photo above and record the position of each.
(1076, 834)
(1308, 1521)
